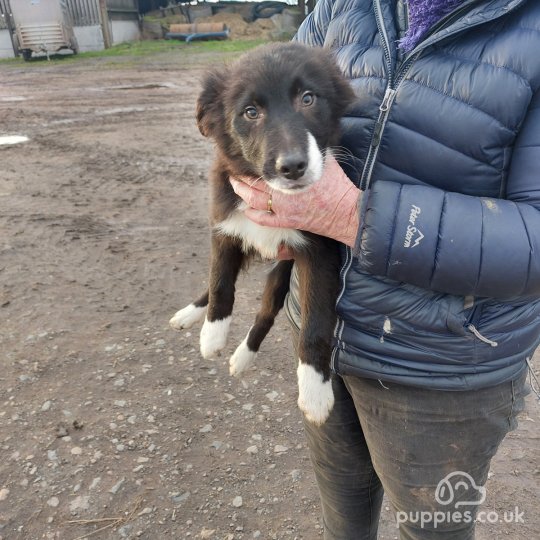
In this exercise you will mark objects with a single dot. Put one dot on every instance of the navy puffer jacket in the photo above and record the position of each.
(443, 288)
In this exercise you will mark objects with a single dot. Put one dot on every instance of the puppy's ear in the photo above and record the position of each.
(344, 94)
(210, 114)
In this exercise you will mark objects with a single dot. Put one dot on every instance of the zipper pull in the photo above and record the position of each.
(388, 99)
(475, 331)
(376, 139)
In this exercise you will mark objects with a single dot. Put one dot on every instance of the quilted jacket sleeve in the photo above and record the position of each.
(314, 27)
(460, 244)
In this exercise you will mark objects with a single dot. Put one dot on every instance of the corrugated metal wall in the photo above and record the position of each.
(128, 6)
(86, 12)
(123, 10)
(83, 12)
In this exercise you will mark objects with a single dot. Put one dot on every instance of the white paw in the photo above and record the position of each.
(214, 336)
(187, 316)
(241, 358)
(315, 397)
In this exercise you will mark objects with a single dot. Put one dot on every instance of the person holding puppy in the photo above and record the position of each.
(437, 207)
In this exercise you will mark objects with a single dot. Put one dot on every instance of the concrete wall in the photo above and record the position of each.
(89, 38)
(6, 49)
(125, 31)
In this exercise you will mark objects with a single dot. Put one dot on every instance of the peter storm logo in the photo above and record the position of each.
(413, 232)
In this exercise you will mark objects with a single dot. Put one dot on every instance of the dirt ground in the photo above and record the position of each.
(112, 425)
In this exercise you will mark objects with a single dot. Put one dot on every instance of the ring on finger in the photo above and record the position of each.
(269, 205)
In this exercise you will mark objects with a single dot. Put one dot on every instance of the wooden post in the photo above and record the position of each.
(302, 8)
(105, 26)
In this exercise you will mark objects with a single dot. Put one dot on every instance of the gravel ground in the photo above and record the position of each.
(112, 424)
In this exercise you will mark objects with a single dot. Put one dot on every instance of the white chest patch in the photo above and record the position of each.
(266, 240)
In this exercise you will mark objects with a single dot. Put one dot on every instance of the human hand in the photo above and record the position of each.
(328, 208)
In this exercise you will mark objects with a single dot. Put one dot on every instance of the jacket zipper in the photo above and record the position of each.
(340, 323)
(388, 98)
(384, 113)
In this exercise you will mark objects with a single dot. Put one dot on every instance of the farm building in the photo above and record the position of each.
(32, 26)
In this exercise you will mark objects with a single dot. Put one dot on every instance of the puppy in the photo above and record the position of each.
(274, 114)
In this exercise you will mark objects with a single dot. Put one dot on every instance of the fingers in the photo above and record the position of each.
(262, 217)
(255, 183)
(253, 197)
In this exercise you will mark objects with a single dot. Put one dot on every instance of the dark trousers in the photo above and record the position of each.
(405, 441)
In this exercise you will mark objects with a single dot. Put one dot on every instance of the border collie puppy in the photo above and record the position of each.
(273, 114)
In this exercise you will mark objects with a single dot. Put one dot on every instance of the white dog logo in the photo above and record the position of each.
(446, 490)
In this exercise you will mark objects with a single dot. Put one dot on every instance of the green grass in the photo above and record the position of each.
(143, 48)
(146, 48)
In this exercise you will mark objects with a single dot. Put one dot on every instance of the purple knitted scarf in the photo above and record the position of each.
(423, 14)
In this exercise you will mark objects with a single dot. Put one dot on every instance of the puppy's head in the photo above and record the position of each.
(275, 111)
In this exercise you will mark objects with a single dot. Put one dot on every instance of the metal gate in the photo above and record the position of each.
(6, 19)
(83, 12)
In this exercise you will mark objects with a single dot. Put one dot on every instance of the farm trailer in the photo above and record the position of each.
(42, 26)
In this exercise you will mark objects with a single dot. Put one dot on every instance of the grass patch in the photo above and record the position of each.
(146, 48)
(143, 48)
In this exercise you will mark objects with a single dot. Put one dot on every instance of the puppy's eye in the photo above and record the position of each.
(308, 98)
(251, 113)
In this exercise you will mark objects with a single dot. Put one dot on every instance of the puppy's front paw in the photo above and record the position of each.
(187, 317)
(315, 395)
(214, 336)
(241, 359)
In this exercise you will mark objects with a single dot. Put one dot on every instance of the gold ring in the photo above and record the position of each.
(269, 205)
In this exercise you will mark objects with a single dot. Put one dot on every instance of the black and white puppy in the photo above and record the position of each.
(274, 114)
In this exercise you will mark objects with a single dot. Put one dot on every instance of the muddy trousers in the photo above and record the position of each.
(406, 441)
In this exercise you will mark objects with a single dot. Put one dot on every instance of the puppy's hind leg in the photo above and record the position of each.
(319, 284)
(227, 260)
(275, 291)
(191, 314)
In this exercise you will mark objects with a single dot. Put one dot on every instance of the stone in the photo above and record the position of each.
(82, 502)
(46, 406)
(117, 486)
(178, 499)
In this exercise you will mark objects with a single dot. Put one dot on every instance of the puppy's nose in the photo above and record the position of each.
(291, 165)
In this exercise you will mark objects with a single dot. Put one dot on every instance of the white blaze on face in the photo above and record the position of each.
(315, 160)
(315, 395)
